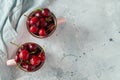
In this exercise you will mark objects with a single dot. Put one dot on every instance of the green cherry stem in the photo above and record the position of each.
(33, 52)
(41, 50)
(15, 44)
(50, 28)
(28, 62)
(18, 65)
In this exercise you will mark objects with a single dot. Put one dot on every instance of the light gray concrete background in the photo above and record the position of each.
(86, 47)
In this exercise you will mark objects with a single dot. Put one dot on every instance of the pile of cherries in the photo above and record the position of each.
(41, 23)
(30, 57)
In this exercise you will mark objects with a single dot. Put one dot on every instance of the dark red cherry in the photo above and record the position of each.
(32, 47)
(24, 55)
(43, 23)
(38, 24)
(45, 12)
(27, 66)
(24, 65)
(38, 13)
(30, 68)
(23, 47)
(17, 59)
(42, 32)
(41, 56)
(34, 20)
(33, 29)
(35, 60)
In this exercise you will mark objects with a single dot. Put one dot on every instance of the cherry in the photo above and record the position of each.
(32, 15)
(38, 13)
(51, 27)
(19, 50)
(32, 47)
(45, 12)
(17, 59)
(34, 20)
(41, 56)
(33, 29)
(23, 47)
(28, 20)
(42, 32)
(30, 68)
(26, 66)
(38, 24)
(35, 60)
(49, 19)
(43, 22)
(24, 55)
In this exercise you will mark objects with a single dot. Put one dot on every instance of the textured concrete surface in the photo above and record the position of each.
(86, 47)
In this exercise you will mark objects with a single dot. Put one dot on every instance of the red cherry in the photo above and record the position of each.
(34, 20)
(33, 29)
(17, 59)
(38, 24)
(43, 23)
(38, 14)
(45, 12)
(41, 56)
(35, 60)
(24, 55)
(51, 27)
(23, 47)
(32, 15)
(32, 47)
(19, 50)
(30, 68)
(26, 66)
(42, 32)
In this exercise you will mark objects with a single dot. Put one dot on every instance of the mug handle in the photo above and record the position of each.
(11, 62)
(60, 21)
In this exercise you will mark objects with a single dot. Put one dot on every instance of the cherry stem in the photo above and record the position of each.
(33, 52)
(41, 50)
(14, 44)
(59, 21)
(28, 62)
(19, 64)
(50, 28)
(25, 15)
